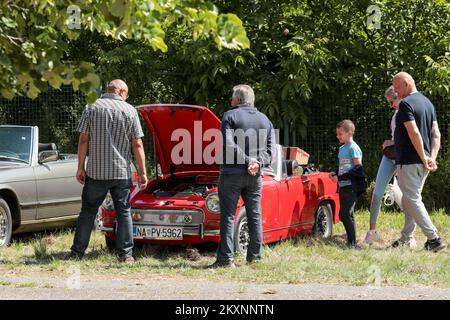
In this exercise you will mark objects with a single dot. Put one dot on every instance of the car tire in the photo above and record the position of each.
(5, 224)
(323, 221)
(110, 244)
(241, 233)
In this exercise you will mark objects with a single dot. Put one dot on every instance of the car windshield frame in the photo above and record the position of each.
(275, 168)
(25, 136)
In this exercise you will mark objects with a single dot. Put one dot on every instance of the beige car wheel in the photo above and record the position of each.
(5, 224)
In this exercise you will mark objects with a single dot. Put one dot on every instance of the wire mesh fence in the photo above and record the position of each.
(55, 112)
(371, 114)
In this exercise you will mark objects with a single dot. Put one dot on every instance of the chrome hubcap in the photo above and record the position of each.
(3, 226)
(244, 236)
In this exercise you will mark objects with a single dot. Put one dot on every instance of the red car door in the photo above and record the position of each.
(290, 204)
(310, 196)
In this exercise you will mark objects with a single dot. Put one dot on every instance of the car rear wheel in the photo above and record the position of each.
(241, 234)
(5, 224)
(323, 226)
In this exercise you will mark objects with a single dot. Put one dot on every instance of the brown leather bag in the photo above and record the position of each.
(389, 152)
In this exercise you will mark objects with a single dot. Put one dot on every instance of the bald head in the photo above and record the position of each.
(403, 84)
(118, 87)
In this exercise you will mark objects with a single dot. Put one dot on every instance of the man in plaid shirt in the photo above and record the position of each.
(110, 132)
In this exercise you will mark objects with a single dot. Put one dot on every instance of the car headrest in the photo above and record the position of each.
(47, 147)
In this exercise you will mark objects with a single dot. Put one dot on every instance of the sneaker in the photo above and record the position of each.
(127, 259)
(220, 264)
(402, 243)
(372, 236)
(434, 245)
(70, 256)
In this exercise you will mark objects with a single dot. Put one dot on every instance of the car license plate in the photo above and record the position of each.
(158, 232)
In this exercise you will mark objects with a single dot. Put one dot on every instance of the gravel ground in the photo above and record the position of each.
(149, 286)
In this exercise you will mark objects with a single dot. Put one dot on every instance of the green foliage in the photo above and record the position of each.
(299, 50)
(365, 199)
(438, 75)
(35, 37)
(437, 187)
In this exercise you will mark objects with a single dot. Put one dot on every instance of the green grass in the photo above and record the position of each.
(294, 261)
(25, 284)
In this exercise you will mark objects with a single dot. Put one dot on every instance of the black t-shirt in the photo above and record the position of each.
(419, 108)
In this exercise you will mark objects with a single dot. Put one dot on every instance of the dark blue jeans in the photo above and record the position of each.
(94, 192)
(347, 199)
(231, 186)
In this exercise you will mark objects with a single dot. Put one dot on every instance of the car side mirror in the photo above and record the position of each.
(48, 156)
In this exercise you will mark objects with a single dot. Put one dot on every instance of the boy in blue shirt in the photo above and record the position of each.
(350, 176)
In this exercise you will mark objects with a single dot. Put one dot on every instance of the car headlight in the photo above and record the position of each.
(213, 203)
(108, 203)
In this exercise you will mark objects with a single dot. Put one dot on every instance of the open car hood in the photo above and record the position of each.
(163, 119)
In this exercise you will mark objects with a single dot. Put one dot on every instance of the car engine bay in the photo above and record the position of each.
(185, 187)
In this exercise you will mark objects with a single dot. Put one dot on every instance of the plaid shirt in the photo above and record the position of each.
(111, 124)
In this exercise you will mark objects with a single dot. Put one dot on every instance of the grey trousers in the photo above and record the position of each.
(411, 179)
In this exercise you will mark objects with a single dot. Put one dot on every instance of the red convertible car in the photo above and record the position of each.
(181, 205)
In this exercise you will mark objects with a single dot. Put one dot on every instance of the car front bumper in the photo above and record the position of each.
(187, 231)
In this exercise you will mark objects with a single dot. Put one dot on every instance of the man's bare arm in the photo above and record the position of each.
(139, 155)
(83, 145)
(435, 140)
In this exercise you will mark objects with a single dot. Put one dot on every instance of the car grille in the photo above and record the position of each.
(169, 217)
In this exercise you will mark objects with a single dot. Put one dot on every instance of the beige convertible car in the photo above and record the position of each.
(38, 189)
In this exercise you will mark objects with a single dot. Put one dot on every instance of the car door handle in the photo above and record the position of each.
(306, 181)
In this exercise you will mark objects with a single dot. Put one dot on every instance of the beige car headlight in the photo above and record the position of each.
(213, 203)
(108, 203)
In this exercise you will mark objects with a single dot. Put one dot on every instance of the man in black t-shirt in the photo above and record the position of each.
(417, 142)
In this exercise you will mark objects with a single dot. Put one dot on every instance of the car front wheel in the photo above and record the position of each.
(323, 225)
(5, 224)
(241, 234)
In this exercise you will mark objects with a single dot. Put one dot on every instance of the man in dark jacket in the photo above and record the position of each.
(248, 139)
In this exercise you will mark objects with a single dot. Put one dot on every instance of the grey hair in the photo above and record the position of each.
(245, 94)
(390, 92)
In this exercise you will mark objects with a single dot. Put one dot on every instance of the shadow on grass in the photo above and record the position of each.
(161, 253)
(338, 241)
(166, 254)
(29, 237)
(48, 258)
